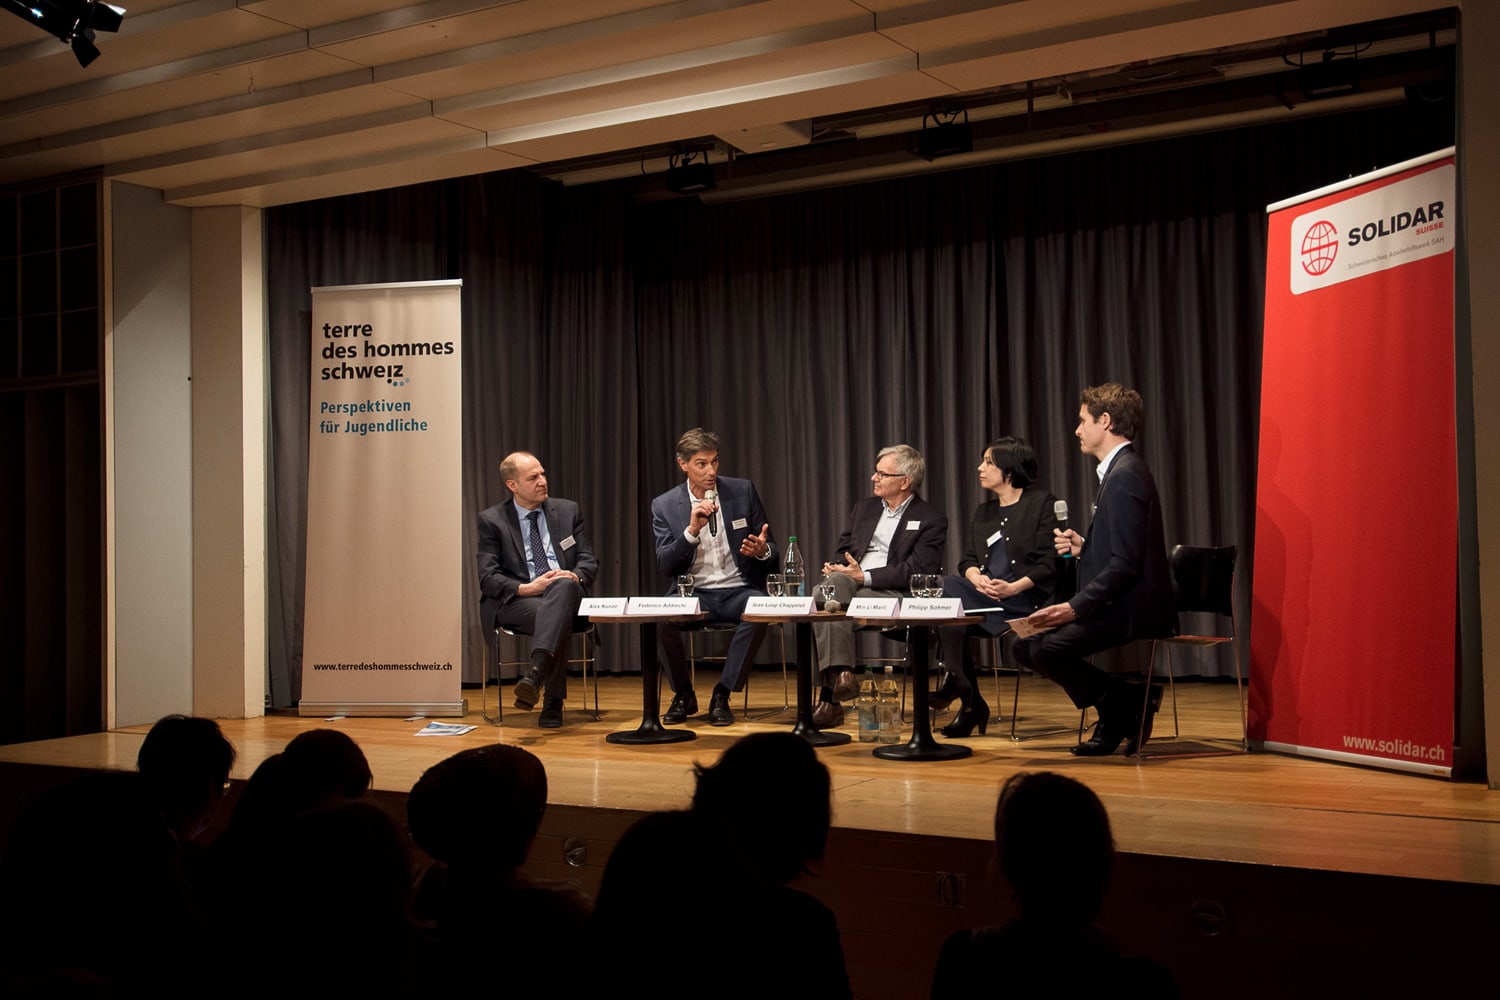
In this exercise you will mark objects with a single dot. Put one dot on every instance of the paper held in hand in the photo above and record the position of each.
(1025, 630)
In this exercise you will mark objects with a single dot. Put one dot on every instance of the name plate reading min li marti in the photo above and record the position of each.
(872, 607)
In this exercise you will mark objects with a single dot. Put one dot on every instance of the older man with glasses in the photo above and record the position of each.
(890, 535)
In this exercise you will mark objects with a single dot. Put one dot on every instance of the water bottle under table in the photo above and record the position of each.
(888, 708)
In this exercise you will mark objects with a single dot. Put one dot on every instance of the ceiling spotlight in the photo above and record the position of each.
(73, 22)
(944, 135)
(689, 172)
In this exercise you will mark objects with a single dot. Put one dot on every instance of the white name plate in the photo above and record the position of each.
(872, 607)
(601, 606)
(932, 607)
(780, 606)
(662, 606)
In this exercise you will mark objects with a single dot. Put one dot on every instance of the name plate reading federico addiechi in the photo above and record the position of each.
(662, 606)
(872, 607)
(932, 607)
(601, 606)
(779, 606)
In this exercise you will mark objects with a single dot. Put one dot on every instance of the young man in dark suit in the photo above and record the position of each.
(1124, 585)
(714, 529)
(535, 565)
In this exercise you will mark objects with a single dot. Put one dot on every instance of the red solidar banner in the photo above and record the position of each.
(1356, 532)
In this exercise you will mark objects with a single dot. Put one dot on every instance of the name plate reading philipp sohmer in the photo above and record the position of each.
(872, 607)
(779, 606)
(931, 608)
(662, 606)
(602, 606)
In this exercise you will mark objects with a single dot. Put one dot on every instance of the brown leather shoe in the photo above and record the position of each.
(828, 715)
(844, 686)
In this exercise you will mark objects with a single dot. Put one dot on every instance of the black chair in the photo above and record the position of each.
(1003, 658)
(1203, 581)
(693, 629)
(586, 657)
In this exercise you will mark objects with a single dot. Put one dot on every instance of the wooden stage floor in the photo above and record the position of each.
(1259, 808)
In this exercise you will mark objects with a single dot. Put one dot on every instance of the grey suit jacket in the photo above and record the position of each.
(503, 564)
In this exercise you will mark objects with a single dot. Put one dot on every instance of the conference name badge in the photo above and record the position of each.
(738, 522)
(567, 543)
(913, 525)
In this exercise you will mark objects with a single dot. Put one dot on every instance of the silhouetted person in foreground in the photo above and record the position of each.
(759, 817)
(1056, 853)
(326, 909)
(93, 902)
(318, 768)
(184, 763)
(476, 814)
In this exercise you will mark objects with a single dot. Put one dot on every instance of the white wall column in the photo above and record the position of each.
(229, 462)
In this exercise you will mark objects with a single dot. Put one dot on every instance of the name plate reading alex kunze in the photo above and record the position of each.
(602, 606)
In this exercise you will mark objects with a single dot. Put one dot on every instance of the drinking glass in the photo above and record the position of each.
(685, 585)
(775, 585)
(826, 593)
(919, 585)
(935, 585)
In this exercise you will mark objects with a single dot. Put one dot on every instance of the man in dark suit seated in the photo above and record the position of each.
(890, 535)
(714, 529)
(1124, 585)
(535, 565)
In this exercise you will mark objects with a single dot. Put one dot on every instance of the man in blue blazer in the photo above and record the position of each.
(1124, 584)
(713, 528)
(535, 565)
(891, 534)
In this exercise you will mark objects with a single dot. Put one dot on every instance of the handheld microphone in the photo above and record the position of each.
(712, 496)
(1060, 509)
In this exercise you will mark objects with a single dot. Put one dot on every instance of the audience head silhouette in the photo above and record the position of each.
(479, 807)
(1053, 841)
(770, 793)
(184, 763)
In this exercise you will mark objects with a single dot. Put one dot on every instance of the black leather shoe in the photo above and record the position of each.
(718, 711)
(1142, 733)
(684, 704)
(551, 715)
(942, 696)
(528, 689)
(1108, 734)
(975, 713)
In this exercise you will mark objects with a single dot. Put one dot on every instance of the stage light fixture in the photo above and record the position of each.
(689, 172)
(944, 135)
(73, 22)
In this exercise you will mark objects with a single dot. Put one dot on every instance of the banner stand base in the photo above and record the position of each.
(397, 710)
(1363, 760)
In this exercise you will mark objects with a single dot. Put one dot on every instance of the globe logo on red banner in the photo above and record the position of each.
(1319, 247)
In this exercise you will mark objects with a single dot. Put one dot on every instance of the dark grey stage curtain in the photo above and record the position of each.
(809, 330)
